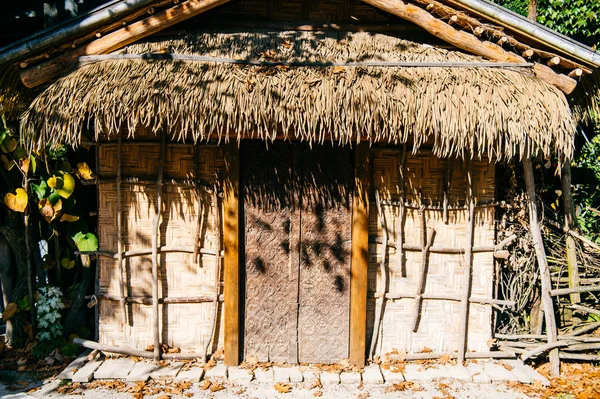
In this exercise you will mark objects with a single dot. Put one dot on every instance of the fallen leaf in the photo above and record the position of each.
(316, 384)
(216, 387)
(317, 393)
(205, 385)
(283, 388)
(444, 359)
(426, 350)
(363, 395)
(338, 69)
(163, 397)
(9, 311)
(68, 218)
(251, 359)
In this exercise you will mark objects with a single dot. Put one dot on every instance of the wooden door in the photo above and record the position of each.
(297, 215)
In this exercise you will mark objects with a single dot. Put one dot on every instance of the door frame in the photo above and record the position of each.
(232, 235)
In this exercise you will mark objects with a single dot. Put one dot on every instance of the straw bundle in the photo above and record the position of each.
(464, 112)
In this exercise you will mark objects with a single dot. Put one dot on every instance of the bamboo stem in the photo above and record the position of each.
(447, 177)
(567, 202)
(467, 276)
(543, 348)
(148, 251)
(144, 300)
(401, 215)
(538, 244)
(383, 280)
(217, 274)
(155, 234)
(426, 241)
(120, 231)
(438, 355)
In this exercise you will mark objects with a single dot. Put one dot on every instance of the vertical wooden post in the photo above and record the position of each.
(231, 237)
(120, 230)
(570, 222)
(467, 277)
(155, 235)
(538, 245)
(360, 255)
(401, 211)
(379, 306)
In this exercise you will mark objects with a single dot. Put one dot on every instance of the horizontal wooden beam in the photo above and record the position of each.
(468, 41)
(52, 69)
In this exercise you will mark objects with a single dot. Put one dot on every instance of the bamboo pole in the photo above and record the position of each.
(383, 270)
(538, 244)
(567, 202)
(401, 215)
(447, 177)
(120, 231)
(155, 234)
(217, 274)
(426, 242)
(467, 276)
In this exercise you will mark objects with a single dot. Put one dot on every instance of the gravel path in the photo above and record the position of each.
(432, 390)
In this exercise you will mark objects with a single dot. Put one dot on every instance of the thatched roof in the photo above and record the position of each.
(499, 112)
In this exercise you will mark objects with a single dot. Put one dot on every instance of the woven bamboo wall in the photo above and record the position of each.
(439, 325)
(187, 326)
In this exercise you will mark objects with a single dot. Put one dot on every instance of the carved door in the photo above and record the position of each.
(297, 216)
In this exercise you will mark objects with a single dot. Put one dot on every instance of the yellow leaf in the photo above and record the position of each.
(68, 218)
(338, 69)
(283, 388)
(216, 387)
(18, 202)
(84, 172)
(9, 311)
(25, 165)
(67, 263)
(68, 185)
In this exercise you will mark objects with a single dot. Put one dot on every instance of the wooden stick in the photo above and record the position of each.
(155, 235)
(200, 216)
(585, 309)
(120, 232)
(217, 273)
(582, 357)
(467, 41)
(401, 215)
(573, 233)
(467, 276)
(582, 347)
(115, 40)
(543, 348)
(112, 349)
(567, 205)
(575, 73)
(437, 355)
(447, 176)
(444, 297)
(538, 245)
(145, 300)
(409, 205)
(383, 270)
(426, 241)
(584, 329)
(136, 180)
(580, 289)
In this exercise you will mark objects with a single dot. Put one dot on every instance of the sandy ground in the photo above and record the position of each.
(433, 390)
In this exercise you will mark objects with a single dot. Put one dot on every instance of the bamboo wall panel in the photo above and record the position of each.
(439, 327)
(187, 326)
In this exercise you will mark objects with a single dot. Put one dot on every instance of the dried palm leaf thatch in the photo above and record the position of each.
(14, 96)
(462, 111)
(585, 100)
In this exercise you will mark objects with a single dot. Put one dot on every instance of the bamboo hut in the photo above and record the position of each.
(302, 181)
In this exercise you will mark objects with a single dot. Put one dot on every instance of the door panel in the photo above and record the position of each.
(270, 331)
(325, 242)
(297, 214)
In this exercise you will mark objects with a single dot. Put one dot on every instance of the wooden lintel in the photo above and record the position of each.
(231, 237)
(468, 41)
(52, 69)
(360, 255)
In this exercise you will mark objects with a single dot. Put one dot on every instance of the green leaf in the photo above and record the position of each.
(3, 135)
(33, 163)
(24, 303)
(40, 190)
(86, 242)
(53, 197)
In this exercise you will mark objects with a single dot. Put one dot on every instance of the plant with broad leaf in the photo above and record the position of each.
(49, 306)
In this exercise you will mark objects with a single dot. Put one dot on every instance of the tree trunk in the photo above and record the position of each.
(532, 10)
